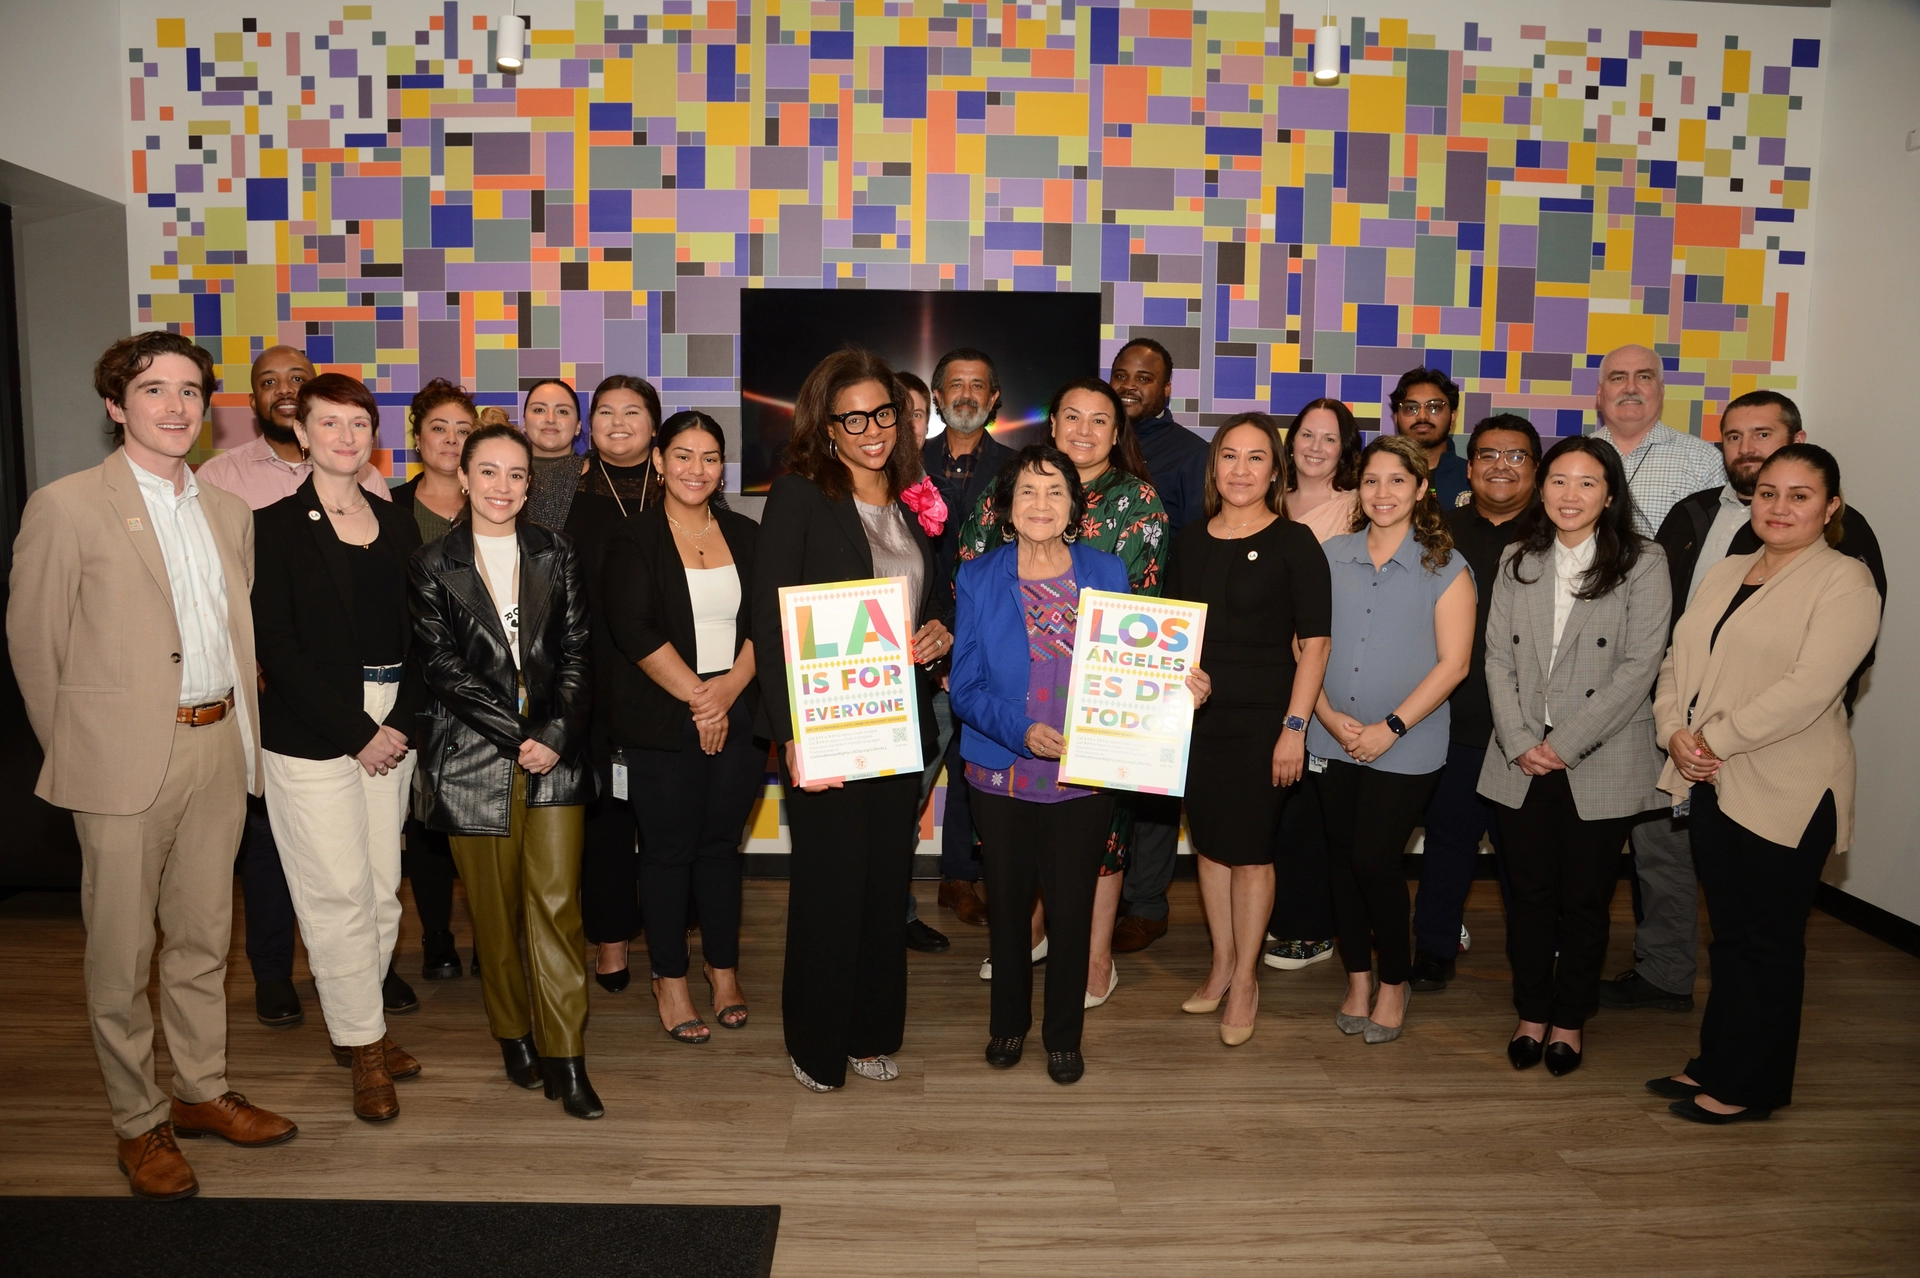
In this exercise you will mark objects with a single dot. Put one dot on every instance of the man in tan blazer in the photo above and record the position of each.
(131, 632)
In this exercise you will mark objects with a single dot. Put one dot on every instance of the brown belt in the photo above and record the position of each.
(202, 715)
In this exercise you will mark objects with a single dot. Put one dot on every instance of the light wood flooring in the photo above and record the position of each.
(1302, 1152)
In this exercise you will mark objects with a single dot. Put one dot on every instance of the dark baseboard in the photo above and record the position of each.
(1880, 924)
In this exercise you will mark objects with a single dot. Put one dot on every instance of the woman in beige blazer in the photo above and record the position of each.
(1749, 705)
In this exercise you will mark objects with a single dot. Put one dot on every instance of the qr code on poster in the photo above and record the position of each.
(899, 735)
(1166, 755)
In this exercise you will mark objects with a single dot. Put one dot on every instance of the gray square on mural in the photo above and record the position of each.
(613, 168)
(775, 167)
(502, 240)
(1138, 188)
(1332, 352)
(707, 304)
(947, 242)
(496, 370)
(1023, 157)
(546, 328)
(653, 262)
(710, 355)
(1434, 258)
(502, 152)
(353, 342)
(1181, 343)
(1427, 77)
(1566, 248)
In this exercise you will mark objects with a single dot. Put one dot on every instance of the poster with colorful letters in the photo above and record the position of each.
(1129, 713)
(850, 675)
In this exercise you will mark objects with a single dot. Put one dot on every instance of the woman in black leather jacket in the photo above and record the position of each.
(500, 623)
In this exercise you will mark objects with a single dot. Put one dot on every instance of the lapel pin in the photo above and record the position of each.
(1253, 554)
(314, 515)
(134, 525)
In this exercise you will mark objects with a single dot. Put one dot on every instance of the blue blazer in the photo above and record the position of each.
(988, 685)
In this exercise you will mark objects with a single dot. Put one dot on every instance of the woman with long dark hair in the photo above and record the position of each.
(500, 621)
(550, 420)
(1579, 612)
(1323, 468)
(841, 514)
(1403, 613)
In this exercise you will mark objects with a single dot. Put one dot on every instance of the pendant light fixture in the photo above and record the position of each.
(510, 41)
(1326, 52)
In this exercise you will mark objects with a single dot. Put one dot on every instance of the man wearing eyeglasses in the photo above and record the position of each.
(1503, 455)
(1423, 406)
(1663, 464)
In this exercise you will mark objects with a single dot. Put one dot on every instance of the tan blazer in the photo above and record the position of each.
(1769, 692)
(94, 640)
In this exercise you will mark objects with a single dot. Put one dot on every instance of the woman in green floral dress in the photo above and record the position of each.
(1123, 516)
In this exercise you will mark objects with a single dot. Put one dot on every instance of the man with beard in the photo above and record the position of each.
(1700, 531)
(1423, 404)
(962, 460)
(261, 472)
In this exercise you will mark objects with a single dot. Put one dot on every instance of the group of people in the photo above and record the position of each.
(560, 675)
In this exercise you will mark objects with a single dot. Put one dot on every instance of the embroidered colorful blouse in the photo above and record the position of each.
(1123, 516)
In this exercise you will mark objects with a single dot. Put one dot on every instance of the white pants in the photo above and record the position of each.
(339, 835)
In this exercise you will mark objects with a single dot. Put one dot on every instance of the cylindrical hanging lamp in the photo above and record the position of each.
(510, 42)
(1326, 53)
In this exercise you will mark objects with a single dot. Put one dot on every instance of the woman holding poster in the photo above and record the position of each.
(1403, 613)
(1122, 515)
(1267, 591)
(849, 509)
(1016, 614)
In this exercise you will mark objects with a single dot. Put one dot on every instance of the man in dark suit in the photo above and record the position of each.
(962, 461)
(1700, 531)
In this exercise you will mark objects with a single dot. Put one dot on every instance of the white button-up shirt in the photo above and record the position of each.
(1731, 516)
(198, 582)
(1667, 466)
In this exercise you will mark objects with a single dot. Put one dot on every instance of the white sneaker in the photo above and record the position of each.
(881, 1069)
(1039, 957)
(1466, 941)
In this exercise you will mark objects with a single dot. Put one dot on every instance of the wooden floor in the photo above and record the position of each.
(1302, 1152)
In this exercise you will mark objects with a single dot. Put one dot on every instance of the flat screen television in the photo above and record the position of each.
(1038, 342)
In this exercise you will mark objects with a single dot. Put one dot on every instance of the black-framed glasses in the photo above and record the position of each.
(1431, 407)
(1511, 456)
(855, 423)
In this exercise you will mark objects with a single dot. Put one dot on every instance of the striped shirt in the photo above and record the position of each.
(1667, 466)
(198, 582)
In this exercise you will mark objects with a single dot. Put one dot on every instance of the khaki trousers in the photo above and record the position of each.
(174, 862)
(338, 831)
(528, 884)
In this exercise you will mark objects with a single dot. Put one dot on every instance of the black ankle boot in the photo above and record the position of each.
(439, 961)
(567, 1083)
(523, 1066)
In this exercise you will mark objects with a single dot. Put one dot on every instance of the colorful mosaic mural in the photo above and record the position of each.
(1493, 197)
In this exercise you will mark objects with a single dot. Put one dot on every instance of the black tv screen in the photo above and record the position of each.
(1038, 342)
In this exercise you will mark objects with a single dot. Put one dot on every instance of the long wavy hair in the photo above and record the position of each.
(1616, 546)
(1346, 472)
(1429, 529)
(811, 450)
(1126, 456)
(435, 393)
(1266, 426)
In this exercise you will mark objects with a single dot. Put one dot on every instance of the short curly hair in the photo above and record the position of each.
(1033, 457)
(129, 357)
(810, 451)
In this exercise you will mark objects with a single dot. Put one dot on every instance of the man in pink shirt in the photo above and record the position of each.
(260, 472)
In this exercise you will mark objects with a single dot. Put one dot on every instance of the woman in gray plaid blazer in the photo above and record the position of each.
(1574, 641)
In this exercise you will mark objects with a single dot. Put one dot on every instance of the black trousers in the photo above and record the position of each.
(1561, 871)
(1759, 894)
(692, 808)
(1302, 880)
(1057, 848)
(1369, 816)
(609, 860)
(263, 885)
(1456, 818)
(428, 862)
(845, 992)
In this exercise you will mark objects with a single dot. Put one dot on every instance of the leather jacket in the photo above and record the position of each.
(473, 730)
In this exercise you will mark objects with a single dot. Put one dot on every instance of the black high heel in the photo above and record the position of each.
(523, 1065)
(1561, 1058)
(614, 982)
(1524, 1052)
(566, 1078)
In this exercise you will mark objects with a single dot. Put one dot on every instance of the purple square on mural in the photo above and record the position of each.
(1301, 107)
(189, 178)
(364, 197)
(1517, 111)
(1560, 324)
(1776, 80)
(712, 211)
(343, 64)
(787, 66)
(947, 197)
(1773, 150)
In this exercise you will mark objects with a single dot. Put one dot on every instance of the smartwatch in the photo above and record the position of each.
(1398, 725)
(1296, 723)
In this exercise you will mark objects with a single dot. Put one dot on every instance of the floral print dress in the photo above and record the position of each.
(1123, 517)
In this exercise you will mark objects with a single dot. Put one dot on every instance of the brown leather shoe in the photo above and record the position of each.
(231, 1118)
(400, 1063)
(155, 1167)
(963, 898)
(1135, 933)
(373, 1097)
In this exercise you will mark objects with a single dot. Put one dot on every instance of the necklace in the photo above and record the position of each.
(1233, 530)
(695, 537)
(344, 511)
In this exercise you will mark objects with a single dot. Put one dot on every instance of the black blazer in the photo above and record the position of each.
(644, 595)
(464, 784)
(811, 539)
(307, 634)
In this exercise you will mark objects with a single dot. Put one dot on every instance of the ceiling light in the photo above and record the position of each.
(510, 42)
(1326, 54)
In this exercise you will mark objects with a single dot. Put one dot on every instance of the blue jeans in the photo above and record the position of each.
(1456, 818)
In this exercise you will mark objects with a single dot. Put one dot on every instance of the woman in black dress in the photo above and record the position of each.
(1269, 602)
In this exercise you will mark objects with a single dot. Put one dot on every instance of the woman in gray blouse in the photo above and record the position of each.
(1403, 614)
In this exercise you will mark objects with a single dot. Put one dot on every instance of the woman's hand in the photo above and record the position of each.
(712, 698)
(713, 734)
(931, 642)
(536, 758)
(1690, 754)
(1373, 741)
(1200, 684)
(1540, 760)
(383, 752)
(1044, 742)
(1345, 729)
(1289, 757)
(793, 770)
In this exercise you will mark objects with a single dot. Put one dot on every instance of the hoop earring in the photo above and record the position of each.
(1006, 532)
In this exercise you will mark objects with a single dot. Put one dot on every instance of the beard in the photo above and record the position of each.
(274, 431)
(966, 416)
(1744, 478)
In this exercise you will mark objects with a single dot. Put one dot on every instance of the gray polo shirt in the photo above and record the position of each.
(1383, 646)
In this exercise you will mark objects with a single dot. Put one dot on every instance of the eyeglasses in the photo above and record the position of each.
(856, 423)
(1431, 408)
(1511, 456)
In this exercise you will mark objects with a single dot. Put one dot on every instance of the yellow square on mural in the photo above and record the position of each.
(1377, 104)
(1050, 114)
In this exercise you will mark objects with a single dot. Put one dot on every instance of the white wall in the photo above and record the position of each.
(1859, 393)
(63, 77)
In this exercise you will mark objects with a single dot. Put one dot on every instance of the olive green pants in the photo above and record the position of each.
(528, 884)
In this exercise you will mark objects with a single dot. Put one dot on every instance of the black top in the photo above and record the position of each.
(312, 626)
(807, 538)
(1177, 461)
(1740, 596)
(1261, 592)
(378, 591)
(647, 605)
(1480, 541)
(960, 481)
(596, 518)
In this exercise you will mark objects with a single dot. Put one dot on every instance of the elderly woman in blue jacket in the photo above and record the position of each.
(1013, 657)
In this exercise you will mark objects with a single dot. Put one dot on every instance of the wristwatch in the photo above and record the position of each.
(1296, 723)
(1398, 725)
